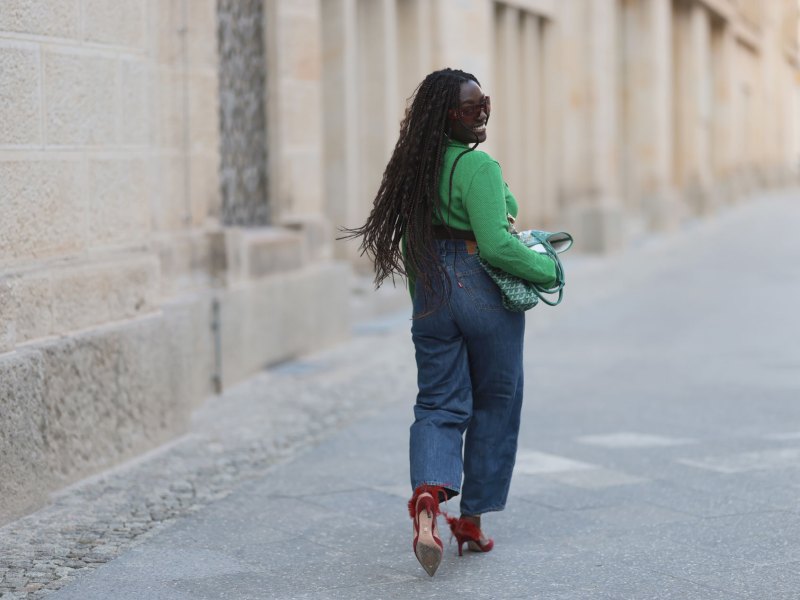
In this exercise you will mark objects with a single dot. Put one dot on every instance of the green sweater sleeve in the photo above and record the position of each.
(485, 202)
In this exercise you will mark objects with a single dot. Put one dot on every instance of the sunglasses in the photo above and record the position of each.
(473, 111)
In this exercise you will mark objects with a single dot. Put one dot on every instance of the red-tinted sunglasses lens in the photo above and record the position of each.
(473, 111)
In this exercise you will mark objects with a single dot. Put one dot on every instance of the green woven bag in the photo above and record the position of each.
(520, 295)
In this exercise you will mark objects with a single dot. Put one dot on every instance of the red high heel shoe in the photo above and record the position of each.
(465, 530)
(423, 509)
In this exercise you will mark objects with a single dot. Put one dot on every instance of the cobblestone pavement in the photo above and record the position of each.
(659, 456)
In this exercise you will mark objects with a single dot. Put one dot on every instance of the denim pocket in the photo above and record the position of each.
(479, 286)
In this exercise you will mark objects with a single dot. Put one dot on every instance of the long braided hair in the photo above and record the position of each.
(408, 195)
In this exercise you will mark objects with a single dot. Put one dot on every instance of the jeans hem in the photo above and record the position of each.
(486, 510)
(451, 490)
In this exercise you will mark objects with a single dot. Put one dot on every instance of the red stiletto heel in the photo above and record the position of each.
(423, 509)
(466, 531)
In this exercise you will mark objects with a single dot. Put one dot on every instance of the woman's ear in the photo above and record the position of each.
(452, 114)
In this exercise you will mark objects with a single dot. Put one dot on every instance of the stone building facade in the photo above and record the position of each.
(161, 236)
(611, 118)
(172, 173)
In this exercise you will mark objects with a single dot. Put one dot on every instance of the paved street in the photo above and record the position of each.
(659, 456)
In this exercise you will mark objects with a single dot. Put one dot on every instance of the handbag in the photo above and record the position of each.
(519, 294)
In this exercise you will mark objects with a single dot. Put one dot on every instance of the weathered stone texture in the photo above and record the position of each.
(203, 91)
(119, 201)
(8, 327)
(41, 17)
(281, 316)
(22, 432)
(171, 200)
(242, 120)
(63, 298)
(301, 110)
(72, 406)
(168, 108)
(115, 22)
(82, 99)
(20, 103)
(94, 294)
(204, 183)
(29, 306)
(253, 253)
(137, 91)
(44, 209)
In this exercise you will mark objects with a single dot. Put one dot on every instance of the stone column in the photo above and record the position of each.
(552, 124)
(531, 114)
(378, 102)
(508, 129)
(415, 45)
(723, 123)
(341, 116)
(652, 117)
(294, 114)
(592, 210)
(463, 38)
(699, 100)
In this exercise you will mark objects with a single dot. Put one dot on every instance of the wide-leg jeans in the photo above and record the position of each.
(469, 372)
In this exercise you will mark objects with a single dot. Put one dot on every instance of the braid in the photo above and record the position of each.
(408, 195)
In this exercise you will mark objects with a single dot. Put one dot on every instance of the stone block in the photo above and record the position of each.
(114, 22)
(44, 209)
(29, 305)
(192, 340)
(172, 208)
(73, 406)
(59, 18)
(167, 106)
(317, 232)
(301, 113)
(23, 421)
(702, 198)
(8, 325)
(282, 316)
(165, 21)
(187, 261)
(663, 210)
(205, 187)
(309, 8)
(137, 92)
(119, 201)
(204, 112)
(59, 299)
(302, 183)
(111, 392)
(257, 252)
(300, 47)
(20, 100)
(202, 34)
(596, 226)
(81, 99)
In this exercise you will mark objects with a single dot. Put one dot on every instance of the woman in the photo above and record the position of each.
(439, 201)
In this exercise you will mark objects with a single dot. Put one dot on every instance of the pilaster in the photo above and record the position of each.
(341, 117)
(592, 212)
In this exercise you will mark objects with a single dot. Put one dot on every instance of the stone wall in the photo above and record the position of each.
(611, 118)
(128, 291)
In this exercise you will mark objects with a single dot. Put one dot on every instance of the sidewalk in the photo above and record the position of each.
(659, 456)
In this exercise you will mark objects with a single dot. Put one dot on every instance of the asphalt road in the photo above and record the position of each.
(659, 456)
